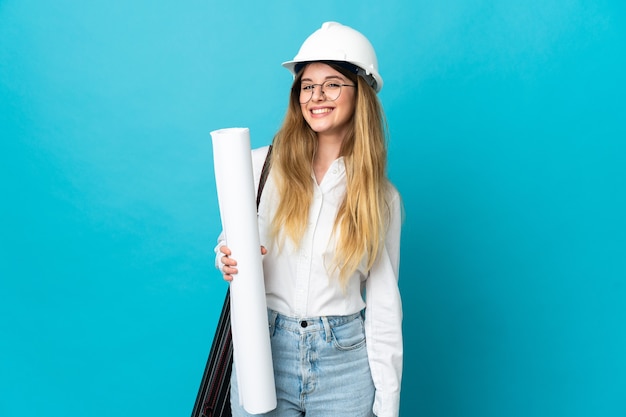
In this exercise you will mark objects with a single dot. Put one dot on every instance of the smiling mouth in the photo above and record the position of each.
(322, 111)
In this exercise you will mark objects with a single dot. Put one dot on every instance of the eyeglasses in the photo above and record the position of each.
(330, 89)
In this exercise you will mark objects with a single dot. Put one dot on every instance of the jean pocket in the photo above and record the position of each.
(349, 336)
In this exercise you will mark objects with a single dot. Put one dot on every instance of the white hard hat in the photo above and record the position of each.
(336, 42)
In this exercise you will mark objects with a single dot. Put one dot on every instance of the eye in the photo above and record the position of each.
(332, 85)
(308, 87)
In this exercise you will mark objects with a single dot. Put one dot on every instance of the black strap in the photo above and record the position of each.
(264, 173)
(213, 399)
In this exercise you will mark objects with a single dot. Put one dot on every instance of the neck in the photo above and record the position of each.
(328, 150)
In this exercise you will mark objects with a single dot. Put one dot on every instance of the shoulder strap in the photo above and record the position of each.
(264, 173)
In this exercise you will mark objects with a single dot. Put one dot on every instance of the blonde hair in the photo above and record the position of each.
(363, 216)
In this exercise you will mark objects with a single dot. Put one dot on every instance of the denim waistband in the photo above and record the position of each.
(308, 324)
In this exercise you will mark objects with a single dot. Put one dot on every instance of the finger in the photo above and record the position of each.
(228, 261)
(229, 270)
(228, 273)
(225, 250)
(263, 250)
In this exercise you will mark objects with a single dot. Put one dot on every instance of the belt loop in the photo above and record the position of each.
(326, 329)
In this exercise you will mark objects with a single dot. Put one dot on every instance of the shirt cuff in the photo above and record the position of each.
(218, 256)
(386, 405)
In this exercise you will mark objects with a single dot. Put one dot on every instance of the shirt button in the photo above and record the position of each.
(304, 323)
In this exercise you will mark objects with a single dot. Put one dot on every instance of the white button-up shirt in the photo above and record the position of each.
(300, 281)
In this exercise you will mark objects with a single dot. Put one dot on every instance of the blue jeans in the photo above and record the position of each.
(320, 368)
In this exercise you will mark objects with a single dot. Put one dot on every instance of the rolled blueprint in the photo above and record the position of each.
(237, 202)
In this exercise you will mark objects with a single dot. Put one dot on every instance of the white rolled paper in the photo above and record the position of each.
(237, 202)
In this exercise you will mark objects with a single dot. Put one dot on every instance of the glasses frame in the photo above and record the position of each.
(321, 90)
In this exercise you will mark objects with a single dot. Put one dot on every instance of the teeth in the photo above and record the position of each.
(320, 111)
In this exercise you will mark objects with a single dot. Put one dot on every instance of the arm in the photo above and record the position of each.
(383, 319)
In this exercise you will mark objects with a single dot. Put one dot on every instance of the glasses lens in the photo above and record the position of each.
(332, 90)
(306, 93)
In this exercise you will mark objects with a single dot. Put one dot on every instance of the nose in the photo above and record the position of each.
(318, 93)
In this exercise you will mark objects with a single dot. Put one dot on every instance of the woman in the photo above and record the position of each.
(329, 222)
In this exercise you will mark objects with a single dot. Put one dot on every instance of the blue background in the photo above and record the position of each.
(508, 137)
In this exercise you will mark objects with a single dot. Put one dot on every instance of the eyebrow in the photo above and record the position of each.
(330, 77)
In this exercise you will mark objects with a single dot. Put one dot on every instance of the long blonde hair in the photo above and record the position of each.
(363, 216)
